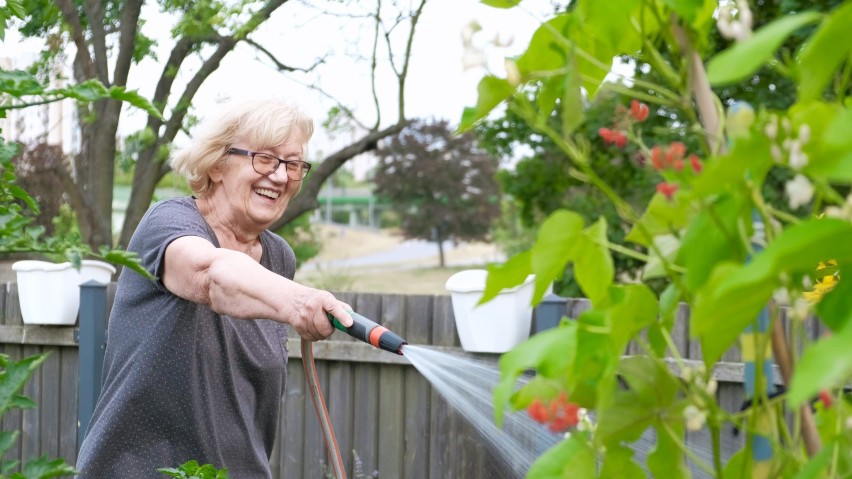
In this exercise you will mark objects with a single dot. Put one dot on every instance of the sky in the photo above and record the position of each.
(438, 85)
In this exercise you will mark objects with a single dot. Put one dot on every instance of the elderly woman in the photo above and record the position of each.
(195, 361)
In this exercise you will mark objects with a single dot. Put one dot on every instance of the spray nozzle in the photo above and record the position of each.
(370, 332)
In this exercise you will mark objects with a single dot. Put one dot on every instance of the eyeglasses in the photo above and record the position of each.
(266, 164)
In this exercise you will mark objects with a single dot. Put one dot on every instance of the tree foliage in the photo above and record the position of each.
(441, 185)
(107, 44)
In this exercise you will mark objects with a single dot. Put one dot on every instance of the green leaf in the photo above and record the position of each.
(17, 8)
(13, 378)
(554, 247)
(836, 168)
(618, 462)
(824, 364)
(663, 216)
(7, 440)
(508, 275)
(127, 259)
(547, 50)
(624, 419)
(539, 387)
(712, 237)
(45, 468)
(736, 63)
(89, 90)
(650, 381)
(22, 402)
(569, 459)
(492, 91)
(549, 352)
(668, 246)
(667, 459)
(135, 99)
(835, 308)
(501, 3)
(823, 54)
(592, 375)
(573, 110)
(748, 157)
(718, 318)
(593, 265)
(632, 308)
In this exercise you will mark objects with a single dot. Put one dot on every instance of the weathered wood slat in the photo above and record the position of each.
(31, 424)
(365, 439)
(68, 404)
(38, 335)
(417, 392)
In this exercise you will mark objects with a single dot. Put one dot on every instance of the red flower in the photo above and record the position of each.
(667, 189)
(617, 138)
(695, 163)
(657, 158)
(639, 110)
(564, 414)
(559, 416)
(826, 398)
(538, 411)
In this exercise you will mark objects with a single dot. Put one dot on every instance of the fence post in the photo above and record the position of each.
(549, 312)
(93, 322)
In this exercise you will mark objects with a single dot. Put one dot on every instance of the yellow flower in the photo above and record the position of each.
(823, 285)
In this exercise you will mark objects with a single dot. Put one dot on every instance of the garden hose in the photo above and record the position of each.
(364, 330)
(322, 412)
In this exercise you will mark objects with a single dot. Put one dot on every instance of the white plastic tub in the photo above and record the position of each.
(49, 293)
(496, 326)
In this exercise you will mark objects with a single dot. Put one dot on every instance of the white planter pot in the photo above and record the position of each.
(49, 293)
(496, 326)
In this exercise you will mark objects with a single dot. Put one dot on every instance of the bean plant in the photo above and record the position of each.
(727, 253)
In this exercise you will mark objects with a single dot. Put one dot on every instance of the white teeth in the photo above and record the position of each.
(266, 192)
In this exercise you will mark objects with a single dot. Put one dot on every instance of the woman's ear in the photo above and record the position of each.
(217, 172)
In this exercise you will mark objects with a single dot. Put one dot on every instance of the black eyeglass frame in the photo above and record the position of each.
(305, 166)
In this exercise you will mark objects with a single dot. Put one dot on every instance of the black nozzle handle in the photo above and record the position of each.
(370, 332)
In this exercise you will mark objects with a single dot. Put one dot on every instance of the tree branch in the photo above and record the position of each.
(130, 12)
(278, 64)
(307, 199)
(96, 24)
(76, 27)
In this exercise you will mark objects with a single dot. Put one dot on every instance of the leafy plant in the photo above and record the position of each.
(192, 470)
(13, 376)
(709, 232)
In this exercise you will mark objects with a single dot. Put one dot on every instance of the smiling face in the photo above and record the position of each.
(247, 200)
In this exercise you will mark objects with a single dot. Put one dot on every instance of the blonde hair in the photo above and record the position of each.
(262, 123)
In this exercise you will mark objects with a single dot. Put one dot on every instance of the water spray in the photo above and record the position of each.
(362, 329)
(371, 333)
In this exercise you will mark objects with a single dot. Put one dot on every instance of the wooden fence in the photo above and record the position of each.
(381, 408)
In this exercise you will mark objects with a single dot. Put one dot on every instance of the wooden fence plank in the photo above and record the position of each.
(417, 392)
(441, 443)
(30, 424)
(316, 455)
(366, 396)
(296, 407)
(49, 403)
(12, 418)
(341, 410)
(69, 366)
(391, 394)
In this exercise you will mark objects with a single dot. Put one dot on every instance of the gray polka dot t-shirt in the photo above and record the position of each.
(182, 382)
